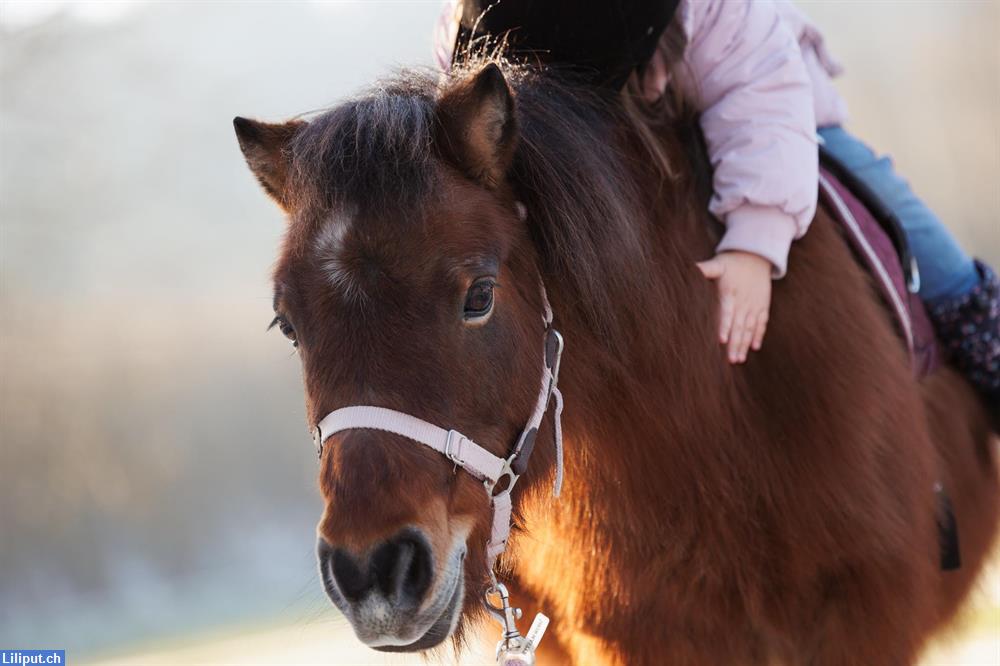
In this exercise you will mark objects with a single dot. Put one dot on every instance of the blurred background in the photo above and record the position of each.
(157, 484)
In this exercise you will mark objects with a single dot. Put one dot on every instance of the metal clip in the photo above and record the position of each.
(503, 613)
(506, 615)
(514, 649)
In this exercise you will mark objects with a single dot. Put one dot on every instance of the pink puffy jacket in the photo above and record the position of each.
(761, 76)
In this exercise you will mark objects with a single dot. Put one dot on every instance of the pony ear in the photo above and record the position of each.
(477, 130)
(265, 147)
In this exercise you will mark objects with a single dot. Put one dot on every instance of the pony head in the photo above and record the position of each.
(407, 280)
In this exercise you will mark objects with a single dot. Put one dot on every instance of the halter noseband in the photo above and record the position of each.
(464, 452)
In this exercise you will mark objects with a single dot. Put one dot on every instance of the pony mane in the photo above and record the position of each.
(586, 208)
(374, 154)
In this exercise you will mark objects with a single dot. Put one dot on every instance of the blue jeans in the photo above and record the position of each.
(946, 271)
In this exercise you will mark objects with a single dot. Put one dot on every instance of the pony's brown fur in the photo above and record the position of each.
(779, 511)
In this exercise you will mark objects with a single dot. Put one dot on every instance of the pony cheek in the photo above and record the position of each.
(469, 515)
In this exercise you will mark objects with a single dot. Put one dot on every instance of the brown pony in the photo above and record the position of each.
(781, 511)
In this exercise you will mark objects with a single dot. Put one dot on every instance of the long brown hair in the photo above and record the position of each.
(651, 120)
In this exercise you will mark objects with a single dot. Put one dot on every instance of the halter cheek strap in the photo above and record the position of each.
(461, 450)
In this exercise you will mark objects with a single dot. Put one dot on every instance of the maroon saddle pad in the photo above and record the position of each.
(875, 251)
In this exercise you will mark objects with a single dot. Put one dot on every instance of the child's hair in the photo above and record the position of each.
(649, 117)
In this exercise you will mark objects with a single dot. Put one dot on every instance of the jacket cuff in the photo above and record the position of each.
(761, 230)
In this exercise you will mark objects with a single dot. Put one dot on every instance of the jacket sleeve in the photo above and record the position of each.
(744, 71)
(445, 33)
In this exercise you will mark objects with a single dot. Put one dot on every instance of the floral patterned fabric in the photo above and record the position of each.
(969, 332)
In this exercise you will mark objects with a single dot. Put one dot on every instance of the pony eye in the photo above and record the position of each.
(479, 299)
(285, 328)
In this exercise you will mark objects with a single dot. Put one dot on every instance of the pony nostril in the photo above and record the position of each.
(411, 574)
(417, 579)
(402, 568)
(351, 579)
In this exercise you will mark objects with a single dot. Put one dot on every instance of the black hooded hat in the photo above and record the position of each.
(603, 40)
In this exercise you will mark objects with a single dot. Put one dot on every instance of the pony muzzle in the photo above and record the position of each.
(393, 595)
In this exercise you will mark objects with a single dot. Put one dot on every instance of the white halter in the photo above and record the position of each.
(464, 452)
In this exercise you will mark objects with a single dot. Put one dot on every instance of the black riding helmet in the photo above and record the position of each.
(602, 40)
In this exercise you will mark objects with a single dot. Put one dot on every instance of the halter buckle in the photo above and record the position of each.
(317, 438)
(453, 447)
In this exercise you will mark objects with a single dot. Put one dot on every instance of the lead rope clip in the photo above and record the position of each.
(513, 648)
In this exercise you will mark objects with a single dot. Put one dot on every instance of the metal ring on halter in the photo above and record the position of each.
(507, 472)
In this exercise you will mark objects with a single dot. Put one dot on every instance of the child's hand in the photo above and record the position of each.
(745, 297)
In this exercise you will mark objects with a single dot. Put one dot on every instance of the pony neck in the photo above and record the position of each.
(642, 406)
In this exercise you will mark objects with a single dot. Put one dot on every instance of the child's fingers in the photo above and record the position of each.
(758, 336)
(733, 339)
(738, 339)
(726, 318)
(712, 268)
(746, 337)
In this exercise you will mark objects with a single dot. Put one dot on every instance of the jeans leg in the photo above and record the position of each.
(946, 271)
